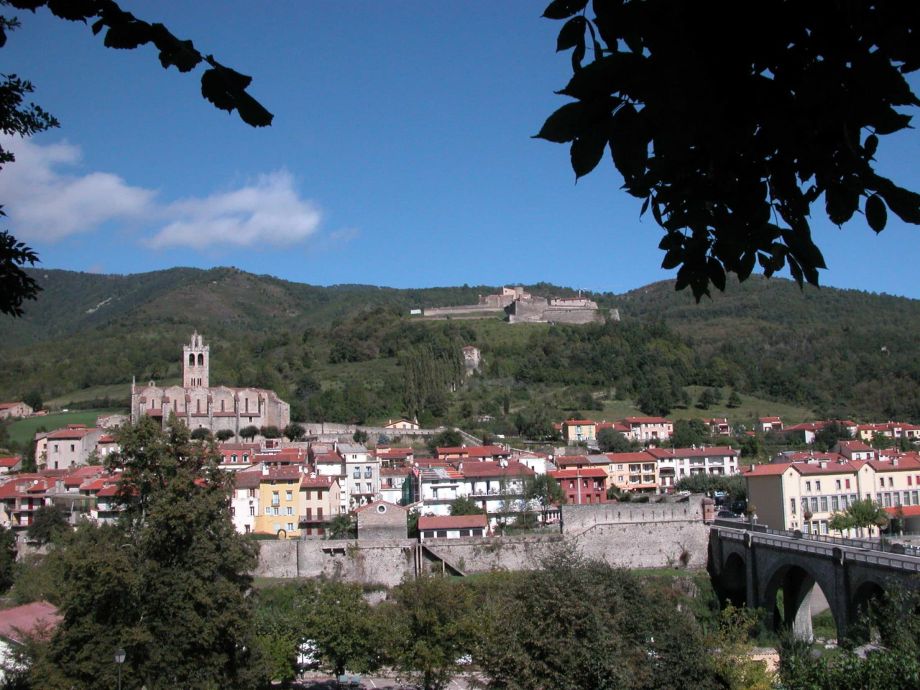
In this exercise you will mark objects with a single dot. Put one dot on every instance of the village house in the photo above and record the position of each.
(236, 456)
(20, 497)
(855, 450)
(582, 486)
(244, 500)
(579, 431)
(394, 457)
(395, 485)
(718, 426)
(675, 464)
(768, 424)
(649, 429)
(439, 486)
(804, 495)
(807, 430)
(69, 447)
(362, 474)
(10, 463)
(452, 526)
(474, 453)
(634, 472)
(320, 504)
(279, 500)
(498, 488)
(402, 424)
(11, 410)
(382, 520)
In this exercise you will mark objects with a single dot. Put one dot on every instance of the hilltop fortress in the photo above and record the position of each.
(519, 306)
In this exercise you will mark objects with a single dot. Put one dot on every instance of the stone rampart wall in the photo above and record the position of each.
(623, 535)
(463, 310)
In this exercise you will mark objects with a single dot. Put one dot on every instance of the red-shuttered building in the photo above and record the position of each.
(582, 486)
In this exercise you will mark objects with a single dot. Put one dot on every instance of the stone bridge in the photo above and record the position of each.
(751, 565)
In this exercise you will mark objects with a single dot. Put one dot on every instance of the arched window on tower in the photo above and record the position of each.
(200, 360)
(191, 360)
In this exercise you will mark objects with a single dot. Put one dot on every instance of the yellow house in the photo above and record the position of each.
(576, 430)
(319, 504)
(279, 501)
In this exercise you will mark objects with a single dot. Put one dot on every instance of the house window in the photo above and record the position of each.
(290, 510)
(807, 486)
(792, 505)
(290, 527)
(356, 474)
(824, 504)
(232, 511)
(268, 510)
(288, 495)
(818, 485)
(72, 448)
(847, 483)
(370, 487)
(837, 485)
(252, 511)
(442, 533)
(276, 498)
(319, 513)
(368, 472)
(835, 504)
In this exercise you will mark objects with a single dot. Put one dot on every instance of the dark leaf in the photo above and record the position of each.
(560, 9)
(27, 4)
(181, 54)
(876, 213)
(904, 203)
(628, 143)
(746, 265)
(98, 26)
(587, 151)
(871, 145)
(716, 273)
(577, 56)
(645, 206)
(214, 89)
(888, 121)
(572, 34)
(672, 259)
(252, 112)
(128, 35)
(73, 10)
(2, 36)
(671, 241)
(656, 213)
(796, 271)
(841, 202)
(562, 125)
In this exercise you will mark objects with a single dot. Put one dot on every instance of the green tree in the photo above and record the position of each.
(224, 435)
(360, 436)
(201, 434)
(734, 400)
(434, 629)
(449, 438)
(169, 583)
(860, 514)
(708, 398)
(655, 398)
(462, 505)
(689, 432)
(828, 436)
(47, 522)
(295, 431)
(342, 527)
(612, 441)
(270, 431)
(730, 139)
(7, 558)
(249, 432)
(545, 490)
(340, 622)
(33, 399)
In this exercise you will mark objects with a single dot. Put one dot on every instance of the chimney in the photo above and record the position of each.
(264, 470)
(894, 461)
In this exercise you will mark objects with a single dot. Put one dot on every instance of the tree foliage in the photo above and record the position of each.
(730, 136)
(168, 583)
(47, 522)
(340, 622)
(463, 505)
(612, 441)
(7, 558)
(859, 514)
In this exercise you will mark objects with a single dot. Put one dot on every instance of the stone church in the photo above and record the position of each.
(202, 406)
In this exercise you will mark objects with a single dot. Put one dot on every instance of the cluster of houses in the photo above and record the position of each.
(801, 490)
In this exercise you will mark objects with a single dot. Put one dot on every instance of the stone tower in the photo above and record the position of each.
(195, 363)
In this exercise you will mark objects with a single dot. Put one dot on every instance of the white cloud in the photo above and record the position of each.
(47, 201)
(267, 212)
(45, 204)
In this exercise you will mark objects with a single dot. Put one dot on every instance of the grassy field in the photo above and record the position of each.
(115, 391)
(22, 431)
(751, 408)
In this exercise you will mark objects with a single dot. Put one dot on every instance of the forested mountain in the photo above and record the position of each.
(353, 353)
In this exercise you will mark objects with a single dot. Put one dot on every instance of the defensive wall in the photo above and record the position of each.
(627, 535)
(464, 310)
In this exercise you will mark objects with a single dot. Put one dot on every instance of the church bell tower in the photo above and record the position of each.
(195, 363)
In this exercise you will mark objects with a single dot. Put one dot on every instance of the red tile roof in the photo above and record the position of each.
(309, 482)
(707, 452)
(583, 422)
(434, 522)
(641, 456)
(474, 451)
(585, 472)
(10, 461)
(491, 469)
(647, 420)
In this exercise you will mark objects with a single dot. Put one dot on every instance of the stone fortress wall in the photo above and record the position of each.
(642, 535)
(522, 307)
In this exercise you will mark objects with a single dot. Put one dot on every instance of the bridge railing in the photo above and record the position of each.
(856, 543)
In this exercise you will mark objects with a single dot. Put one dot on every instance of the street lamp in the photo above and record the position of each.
(119, 660)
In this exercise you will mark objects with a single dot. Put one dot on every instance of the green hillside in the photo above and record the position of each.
(353, 353)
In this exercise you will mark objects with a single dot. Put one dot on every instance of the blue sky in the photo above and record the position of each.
(400, 155)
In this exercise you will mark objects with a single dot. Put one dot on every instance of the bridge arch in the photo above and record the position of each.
(867, 594)
(797, 584)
